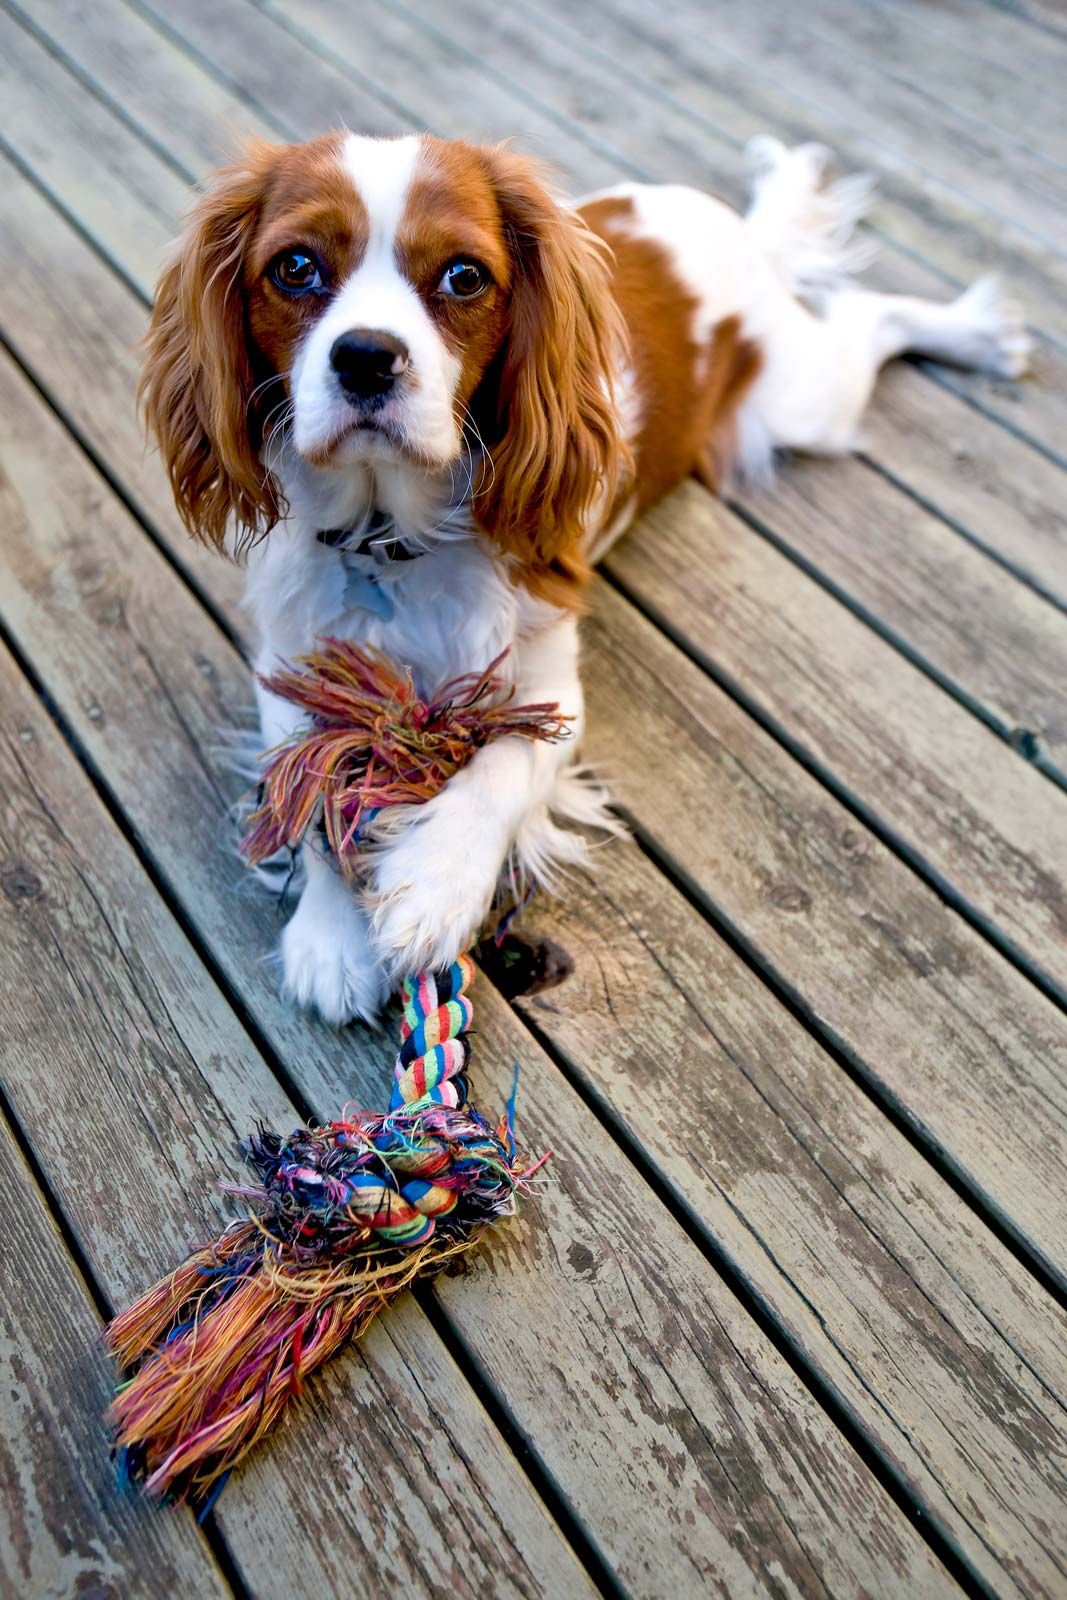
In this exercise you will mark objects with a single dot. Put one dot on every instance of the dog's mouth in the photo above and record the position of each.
(357, 434)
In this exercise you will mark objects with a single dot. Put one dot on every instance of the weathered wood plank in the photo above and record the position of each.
(977, 475)
(318, 97)
(141, 674)
(997, 31)
(1003, 94)
(120, 189)
(943, 1345)
(66, 1529)
(114, 1035)
(51, 273)
(140, 67)
(1000, 644)
(957, 1040)
(133, 67)
(987, 824)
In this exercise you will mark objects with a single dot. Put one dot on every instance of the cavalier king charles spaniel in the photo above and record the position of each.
(422, 396)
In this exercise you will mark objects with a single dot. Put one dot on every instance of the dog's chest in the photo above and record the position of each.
(443, 613)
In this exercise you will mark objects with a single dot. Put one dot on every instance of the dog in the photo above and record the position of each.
(421, 396)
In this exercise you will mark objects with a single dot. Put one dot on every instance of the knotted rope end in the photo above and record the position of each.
(343, 1217)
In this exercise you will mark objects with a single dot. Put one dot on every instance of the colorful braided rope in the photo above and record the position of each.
(343, 1218)
(434, 1050)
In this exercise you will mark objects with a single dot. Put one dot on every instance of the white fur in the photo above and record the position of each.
(435, 872)
(377, 295)
(820, 361)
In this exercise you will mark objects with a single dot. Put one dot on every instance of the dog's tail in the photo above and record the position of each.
(804, 226)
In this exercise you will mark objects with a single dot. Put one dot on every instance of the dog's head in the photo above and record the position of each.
(387, 299)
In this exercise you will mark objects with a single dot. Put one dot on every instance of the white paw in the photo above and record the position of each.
(328, 960)
(434, 884)
(993, 336)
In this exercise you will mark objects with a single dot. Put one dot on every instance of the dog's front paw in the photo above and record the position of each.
(433, 887)
(328, 961)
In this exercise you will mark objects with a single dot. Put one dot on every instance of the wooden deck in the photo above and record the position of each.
(818, 1346)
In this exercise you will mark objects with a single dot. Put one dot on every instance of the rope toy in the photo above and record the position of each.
(374, 743)
(344, 1216)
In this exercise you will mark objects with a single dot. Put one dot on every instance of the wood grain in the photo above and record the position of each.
(89, 365)
(130, 65)
(981, 478)
(995, 641)
(1005, 94)
(67, 1529)
(120, 189)
(994, 33)
(937, 1340)
(965, 1048)
(138, 65)
(981, 820)
(133, 1080)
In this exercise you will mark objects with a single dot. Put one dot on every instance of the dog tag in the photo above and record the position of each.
(363, 590)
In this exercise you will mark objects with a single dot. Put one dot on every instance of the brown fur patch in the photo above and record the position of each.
(219, 331)
(308, 202)
(545, 406)
(687, 392)
(451, 214)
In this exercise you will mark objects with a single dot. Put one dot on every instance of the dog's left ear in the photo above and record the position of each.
(550, 418)
(198, 389)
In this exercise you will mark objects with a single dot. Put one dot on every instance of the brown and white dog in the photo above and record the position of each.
(427, 394)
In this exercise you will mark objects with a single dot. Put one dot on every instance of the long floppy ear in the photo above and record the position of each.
(197, 384)
(555, 446)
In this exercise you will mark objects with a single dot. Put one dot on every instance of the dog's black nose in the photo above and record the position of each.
(368, 362)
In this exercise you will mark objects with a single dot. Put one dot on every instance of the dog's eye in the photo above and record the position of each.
(295, 271)
(463, 280)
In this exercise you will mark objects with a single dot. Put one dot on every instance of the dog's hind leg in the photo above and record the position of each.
(819, 366)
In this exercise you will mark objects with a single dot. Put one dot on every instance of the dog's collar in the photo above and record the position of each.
(374, 537)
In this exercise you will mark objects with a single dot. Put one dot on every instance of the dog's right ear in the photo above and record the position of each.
(198, 383)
